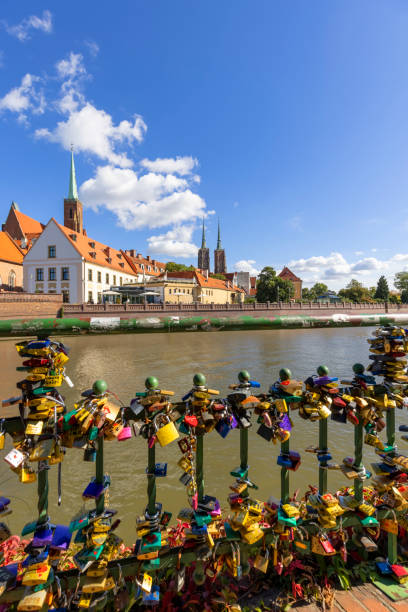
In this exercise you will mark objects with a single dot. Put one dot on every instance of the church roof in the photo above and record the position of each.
(30, 227)
(9, 251)
(287, 274)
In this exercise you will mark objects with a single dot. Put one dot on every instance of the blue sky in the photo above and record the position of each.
(288, 120)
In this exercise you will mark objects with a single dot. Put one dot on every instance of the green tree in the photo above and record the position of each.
(404, 296)
(401, 281)
(355, 292)
(382, 292)
(314, 292)
(395, 298)
(172, 266)
(219, 276)
(272, 288)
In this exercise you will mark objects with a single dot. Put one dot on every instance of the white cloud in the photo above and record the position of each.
(174, 243)
(92, 130)
(247, 265)
(145, 200)
(358, 252)
(93, 47)
(21, 30)
(71, 67)
(338, 271)
(368, 263)
(24, 98)
(168, 165)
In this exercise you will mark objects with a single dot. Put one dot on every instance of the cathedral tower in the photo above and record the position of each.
(204, 254)
(73, 216)
(220, 262)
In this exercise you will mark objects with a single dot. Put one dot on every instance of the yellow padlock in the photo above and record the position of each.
(167, 433)
(32, 600)
(27, 475)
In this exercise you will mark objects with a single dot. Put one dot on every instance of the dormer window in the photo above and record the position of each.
(122, 265)
(120, 255)
(109, 259)
(73, 237)
(93, 254)
(92, 245)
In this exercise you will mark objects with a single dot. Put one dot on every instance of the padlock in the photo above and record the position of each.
(32, 600)
(166, 433)
(90, 454)
(125, 433)
(27, 475)
(265, 432)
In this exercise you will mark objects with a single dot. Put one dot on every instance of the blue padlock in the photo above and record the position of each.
(152, 598)
(284, 461)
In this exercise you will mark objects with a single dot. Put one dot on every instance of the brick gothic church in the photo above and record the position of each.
(220, 261)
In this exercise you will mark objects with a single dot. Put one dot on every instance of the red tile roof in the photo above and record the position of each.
(30, 227)
(9, 251)
(210, 283)
(288, 275)
(96, 252)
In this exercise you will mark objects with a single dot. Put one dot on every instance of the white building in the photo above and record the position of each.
(63, 259)
(67, 262)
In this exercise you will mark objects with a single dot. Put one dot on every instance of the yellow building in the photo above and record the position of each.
(191, 286)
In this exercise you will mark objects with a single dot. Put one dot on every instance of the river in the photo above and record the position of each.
(124, 361)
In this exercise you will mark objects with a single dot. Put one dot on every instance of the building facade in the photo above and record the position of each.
(11, 264)
(190, 286)
(287, 274)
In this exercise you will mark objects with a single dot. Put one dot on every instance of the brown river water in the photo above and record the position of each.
(124, 361)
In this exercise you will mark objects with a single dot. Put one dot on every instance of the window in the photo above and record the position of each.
(169, 290)
(90, 298)
(99, 298)
(121, 281)
(114, 279)
(64, 273)
(107, 279)
(70, 213)
(52, 274)
(39, 274)
(12, 279)
(89, 274)
(65, 296)
(99, 277)
(51, 252)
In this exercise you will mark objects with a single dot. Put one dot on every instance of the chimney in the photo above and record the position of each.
(148, 257)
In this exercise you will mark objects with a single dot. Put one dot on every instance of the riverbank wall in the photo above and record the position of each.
(200, 322)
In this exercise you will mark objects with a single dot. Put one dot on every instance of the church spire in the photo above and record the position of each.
(219, 237)
(203, 246)
(73, 191)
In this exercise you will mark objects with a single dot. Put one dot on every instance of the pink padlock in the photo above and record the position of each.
(125, 434)
(151, 441)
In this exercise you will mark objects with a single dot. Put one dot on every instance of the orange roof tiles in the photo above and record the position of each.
(102, 255)
(141, 265)
(288, 275)
(208, 283)
(29, 226)
(9, 251)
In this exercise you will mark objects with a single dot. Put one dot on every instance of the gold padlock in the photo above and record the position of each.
(32, 601)
(166, 433)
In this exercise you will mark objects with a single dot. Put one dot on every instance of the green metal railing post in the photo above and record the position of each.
(323, 431)
(243, 453)
(284, 475)
(392, 538)
(42, 488)
(200, 467)
(151, 480)
(358, 459)
(99, 475)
